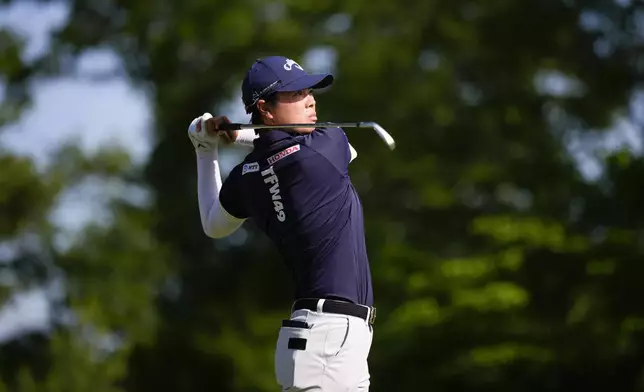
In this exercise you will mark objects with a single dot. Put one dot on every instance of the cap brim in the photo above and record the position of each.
(308, 81)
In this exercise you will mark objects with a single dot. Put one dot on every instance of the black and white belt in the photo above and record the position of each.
(367, 313)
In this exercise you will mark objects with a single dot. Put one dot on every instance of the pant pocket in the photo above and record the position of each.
(291, 353)
(337, 335)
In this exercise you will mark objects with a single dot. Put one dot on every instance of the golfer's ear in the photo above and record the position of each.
(264, 108)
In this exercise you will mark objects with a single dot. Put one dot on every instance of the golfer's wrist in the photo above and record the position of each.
(209, 153)
(245, 137)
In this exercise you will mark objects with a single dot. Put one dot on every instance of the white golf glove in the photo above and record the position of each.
(202, 140)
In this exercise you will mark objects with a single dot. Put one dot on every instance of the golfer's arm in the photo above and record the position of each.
(215, 220)
(245, 137)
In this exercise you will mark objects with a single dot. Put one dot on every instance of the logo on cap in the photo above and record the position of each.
(290, 64)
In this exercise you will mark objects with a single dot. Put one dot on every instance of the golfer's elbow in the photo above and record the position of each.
(218, 223)
(221, 228)
(212, 233)
(216, 231)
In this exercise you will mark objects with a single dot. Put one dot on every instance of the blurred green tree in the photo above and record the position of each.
(101, 285)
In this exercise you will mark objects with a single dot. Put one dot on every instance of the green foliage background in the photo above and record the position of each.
(497, 266)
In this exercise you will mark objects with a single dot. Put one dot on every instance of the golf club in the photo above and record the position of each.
(364, 124)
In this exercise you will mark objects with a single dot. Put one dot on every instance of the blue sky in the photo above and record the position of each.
(91, 112)
(95, 113)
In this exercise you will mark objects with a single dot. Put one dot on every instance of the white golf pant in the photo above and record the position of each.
(323, 352)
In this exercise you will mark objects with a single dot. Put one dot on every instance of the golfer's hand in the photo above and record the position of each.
(212, 128)
(204, 134)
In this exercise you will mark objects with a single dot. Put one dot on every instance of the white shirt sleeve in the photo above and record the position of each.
(215, 220)
(354, 153)
(245, 137)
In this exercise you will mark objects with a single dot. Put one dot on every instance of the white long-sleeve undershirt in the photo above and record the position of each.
(215, 220)
(245, 137)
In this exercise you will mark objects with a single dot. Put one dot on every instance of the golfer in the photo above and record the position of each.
(295, 186)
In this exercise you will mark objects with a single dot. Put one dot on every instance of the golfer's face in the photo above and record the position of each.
(296, 107)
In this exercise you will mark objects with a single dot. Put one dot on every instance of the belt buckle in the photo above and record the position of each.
(372, 315)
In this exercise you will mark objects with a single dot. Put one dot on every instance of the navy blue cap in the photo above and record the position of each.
(275, 74)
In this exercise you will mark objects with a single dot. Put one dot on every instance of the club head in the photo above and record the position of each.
(384, 135)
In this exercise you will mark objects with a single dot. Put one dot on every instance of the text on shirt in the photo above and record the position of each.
(283, 154)
(271, 178)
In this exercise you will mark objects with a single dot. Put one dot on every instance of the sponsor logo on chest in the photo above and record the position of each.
(250, 168)
(283, 154)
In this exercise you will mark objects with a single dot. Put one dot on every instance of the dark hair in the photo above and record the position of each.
(255, 115)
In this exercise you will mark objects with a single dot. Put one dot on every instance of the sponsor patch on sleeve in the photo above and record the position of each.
(250, 168)
(283, 154)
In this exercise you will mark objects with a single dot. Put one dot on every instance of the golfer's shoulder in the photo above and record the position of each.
(330, 144)
(322, 137)
(330, 132)
(248, 165)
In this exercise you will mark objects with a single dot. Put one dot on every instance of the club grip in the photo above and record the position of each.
(230, 127)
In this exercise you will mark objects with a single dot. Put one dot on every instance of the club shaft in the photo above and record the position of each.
(360, 124)
(238, 126)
